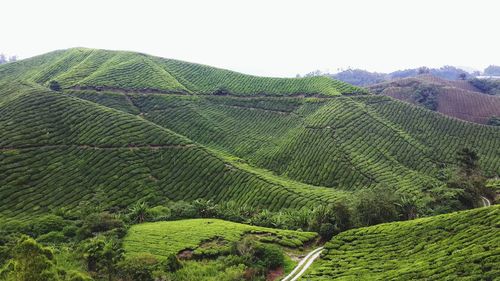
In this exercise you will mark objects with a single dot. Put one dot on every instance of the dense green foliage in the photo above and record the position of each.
(457, 246)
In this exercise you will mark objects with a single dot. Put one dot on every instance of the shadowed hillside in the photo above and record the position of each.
(458, 99)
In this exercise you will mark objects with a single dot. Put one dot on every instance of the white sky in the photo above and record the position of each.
(274, 38)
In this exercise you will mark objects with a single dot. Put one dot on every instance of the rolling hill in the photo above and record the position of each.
(136, 127)
(81, 68)
(456, 246)
(458, 99)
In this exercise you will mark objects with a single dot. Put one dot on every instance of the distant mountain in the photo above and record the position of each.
(471, 100)
(361, 77)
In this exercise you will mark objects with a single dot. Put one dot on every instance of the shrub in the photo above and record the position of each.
(137, 268)
(52, 237)
(159, 213)
(100, 222)
(54, 86)
(77, 276)
(268, 256)
(327, 230)
(172, 264)
(183, 209)
(47, 224)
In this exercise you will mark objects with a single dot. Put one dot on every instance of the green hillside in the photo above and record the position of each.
(456, 246)
(57, 151)
(132, 127)
(345, 142)
(171, 237)
(127, 71)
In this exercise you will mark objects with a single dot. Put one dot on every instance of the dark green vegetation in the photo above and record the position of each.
(487, 86)
(457, 246)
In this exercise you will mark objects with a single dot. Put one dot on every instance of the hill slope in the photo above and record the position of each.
(457, 99)
(457, 246)
(155, 133)
(128, 71)
(345, 142)
(59, 151)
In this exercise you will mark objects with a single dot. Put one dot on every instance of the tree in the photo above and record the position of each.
(492, 70)
(376, 206)
(32, 262)
(205, 208)
(3, 59)
(408, 207)
(102, 256)
(468, 161)
(54, 86)
(462, 76)
(423, 70)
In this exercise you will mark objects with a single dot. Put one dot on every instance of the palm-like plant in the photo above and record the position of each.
(139, 212)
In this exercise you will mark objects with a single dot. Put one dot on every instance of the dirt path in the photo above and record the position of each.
(303, 265)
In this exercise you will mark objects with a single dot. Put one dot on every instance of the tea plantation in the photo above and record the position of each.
(212, 237)
(127, 71)
(456, 246)
(58, 151)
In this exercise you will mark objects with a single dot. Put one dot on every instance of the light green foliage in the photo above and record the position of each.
(207, 237)
(32, 262)
(456, 246)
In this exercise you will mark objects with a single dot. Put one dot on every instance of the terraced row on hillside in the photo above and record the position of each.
(127, 71)
(57, 151)
(345, 142)
(457, 246)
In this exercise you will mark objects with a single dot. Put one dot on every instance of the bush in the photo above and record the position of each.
(52, 237)
(268, 256)
(77, 276)
(327, 230)
(47, 224)
(100, 222)
(138, 268)
(159, 213)
(182, 209)
(172, 264)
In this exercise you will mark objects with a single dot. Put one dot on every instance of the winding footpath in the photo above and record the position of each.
(303, 265)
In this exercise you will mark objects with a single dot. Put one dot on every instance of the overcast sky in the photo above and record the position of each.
(274, 38)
